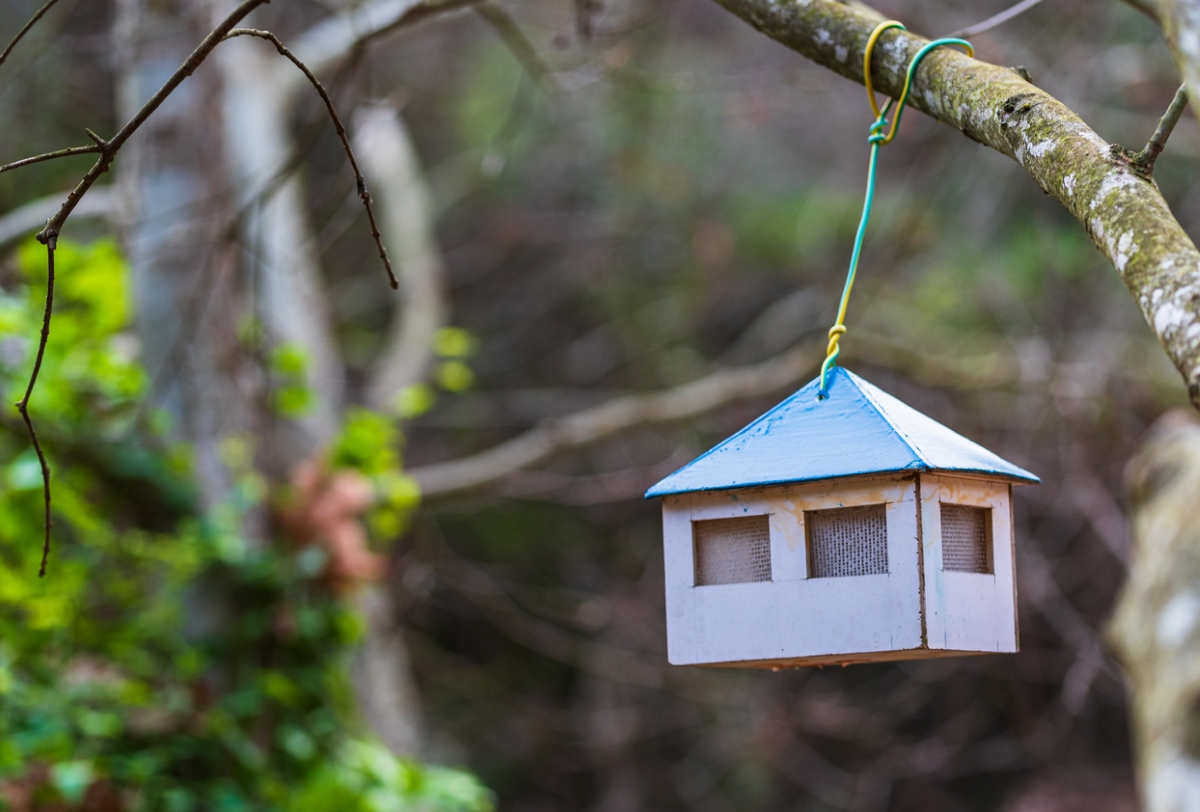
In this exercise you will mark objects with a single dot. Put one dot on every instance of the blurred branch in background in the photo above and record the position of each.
(363, 196)
(576, 431)
(25, 220)
(392, 163)
(518, 43)
(1181, 23)
(1151, 8)
(996, 19)
(335, 38)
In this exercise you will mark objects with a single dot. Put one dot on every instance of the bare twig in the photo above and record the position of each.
(331, 40)
(21, 34)
(24, 221)
(109, 149)
(996, 19)
(363, 195)
(23, 403)
(1147, 7)
(595, 424)
(49, 156)
(1145, 159)
(518, 43)
(48, 236)
(407, 207)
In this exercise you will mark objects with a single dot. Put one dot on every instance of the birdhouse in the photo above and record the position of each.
(844, 529)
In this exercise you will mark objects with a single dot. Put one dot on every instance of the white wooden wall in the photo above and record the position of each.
(968, 611)
(792, 616)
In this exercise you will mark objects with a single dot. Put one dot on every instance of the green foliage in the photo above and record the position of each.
(454, 342)
(414, 401)
(180, 667)
(369, 444)
(291, 396)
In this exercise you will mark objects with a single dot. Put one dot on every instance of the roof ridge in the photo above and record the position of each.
(888, 418)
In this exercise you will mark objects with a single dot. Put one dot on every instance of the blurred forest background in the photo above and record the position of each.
(634, 195)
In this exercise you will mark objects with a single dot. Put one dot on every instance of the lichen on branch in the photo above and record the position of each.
(1121, 208)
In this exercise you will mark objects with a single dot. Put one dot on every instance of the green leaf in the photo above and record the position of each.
(72, 778)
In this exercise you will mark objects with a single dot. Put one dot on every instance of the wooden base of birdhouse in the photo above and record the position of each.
(851, 570)
(842, 660)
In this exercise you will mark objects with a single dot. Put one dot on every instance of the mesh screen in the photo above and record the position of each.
(733, 551)
(965, 538)
(847, 541)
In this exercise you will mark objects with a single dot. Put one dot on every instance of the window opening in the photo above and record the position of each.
(733, 551)
(966, 539)
(847, 541)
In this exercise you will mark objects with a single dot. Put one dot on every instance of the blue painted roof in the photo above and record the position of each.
(857, 430)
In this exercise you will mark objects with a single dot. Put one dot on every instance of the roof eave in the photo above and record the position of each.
(1022, 478)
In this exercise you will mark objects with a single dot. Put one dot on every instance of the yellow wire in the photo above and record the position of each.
(871, 40)
(870, 49)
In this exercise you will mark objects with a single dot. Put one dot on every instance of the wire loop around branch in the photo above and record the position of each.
(877, 139)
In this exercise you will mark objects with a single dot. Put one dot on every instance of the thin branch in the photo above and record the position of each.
(331, 40)
(1147, 7)
(49, 156)
(518, 43)
(41, 12)
(593, 425)
(48, 236)
(25, 220)
(996, 20)
(23, 403)
(408, 210)
(1146, 158)
(109, 149)
(361, 182)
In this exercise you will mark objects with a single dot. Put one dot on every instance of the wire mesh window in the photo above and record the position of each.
(965, 538)
(733, 551)
(847, 541)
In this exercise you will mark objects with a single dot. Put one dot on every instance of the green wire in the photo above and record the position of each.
(877, 139)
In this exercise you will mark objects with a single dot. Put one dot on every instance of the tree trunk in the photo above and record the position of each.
(1156, 629)
(176, 206)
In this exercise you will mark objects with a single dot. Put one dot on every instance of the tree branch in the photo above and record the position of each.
(49, 156)
(361, 182)
(555, 437)
(996, 19)
(24, 221)
(41, 12)
(333, 39)
(108, 149)
(1147, 7)
(1146, 158)
(23, 403)
(1122, 210)
(518, 43)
